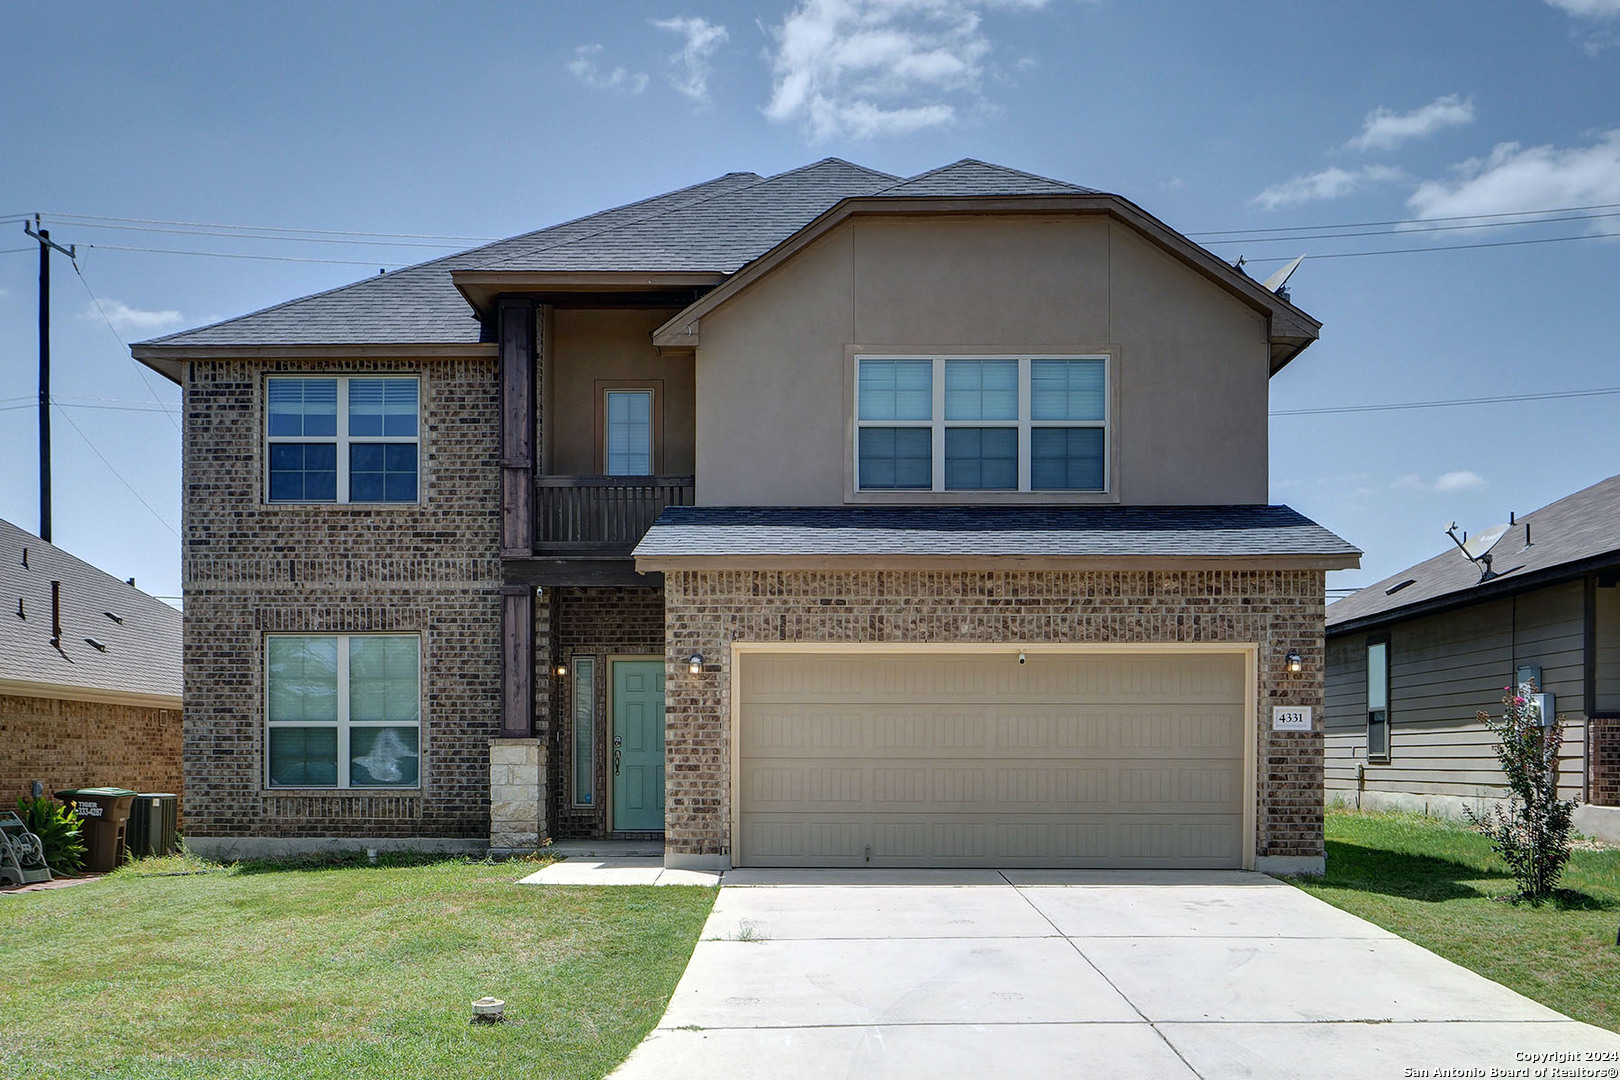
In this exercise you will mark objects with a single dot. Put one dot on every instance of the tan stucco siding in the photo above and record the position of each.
(1189, 361)
(589, 347)
(1445, 669)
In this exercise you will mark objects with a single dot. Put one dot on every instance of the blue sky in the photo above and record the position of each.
(485, 120)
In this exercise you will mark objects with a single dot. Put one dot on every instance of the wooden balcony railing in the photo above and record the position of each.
(601, 515)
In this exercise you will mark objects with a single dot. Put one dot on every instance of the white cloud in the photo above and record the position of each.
(129, 320)
(1330, 183)
(690, 66)
(1458, 480)
(1384, 129)
(879, 67)
(1588, 9)
(585, 68)
(1517, 179)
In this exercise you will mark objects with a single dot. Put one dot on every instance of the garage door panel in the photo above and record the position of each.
(1106, 759)
(1029, 841)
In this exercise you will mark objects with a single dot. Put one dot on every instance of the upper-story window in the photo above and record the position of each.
(345, 439)
(1015, 423)
(629, 450)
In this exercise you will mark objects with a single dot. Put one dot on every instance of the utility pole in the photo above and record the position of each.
(45, 246)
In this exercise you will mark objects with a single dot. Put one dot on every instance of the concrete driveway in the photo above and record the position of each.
(1057, 974)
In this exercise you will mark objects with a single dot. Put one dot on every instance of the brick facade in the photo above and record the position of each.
(706, 611)
(1604, 775)
(602, 623)
(73, 744)
(251, 568)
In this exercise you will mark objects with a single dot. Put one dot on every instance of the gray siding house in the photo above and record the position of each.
(827, 518)
(1413, 659)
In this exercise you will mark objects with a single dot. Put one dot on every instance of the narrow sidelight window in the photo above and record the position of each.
(584, 731)
(1378, 700)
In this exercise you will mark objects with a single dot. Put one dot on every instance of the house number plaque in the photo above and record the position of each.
(1290, 718)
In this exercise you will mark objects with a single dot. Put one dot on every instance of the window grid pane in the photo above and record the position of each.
(302, 678)
(981, 389)
(302, 407)
(1066, 390)
(896, 458)
(382, 472)
(384, 757)
(303, 756)
(896, 390)
(383, 674)
(382, 407)
(1066, 459)
(981, 459)
(303, 472)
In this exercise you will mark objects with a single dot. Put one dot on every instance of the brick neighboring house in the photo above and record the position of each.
(1413, 659)
(826, 518)
(89, 676)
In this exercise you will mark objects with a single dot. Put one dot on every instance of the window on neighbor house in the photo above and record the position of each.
(1378, 700)
(1606, 649)
(343, 711)
(346, 439)
(584, 731)
(1024, 423)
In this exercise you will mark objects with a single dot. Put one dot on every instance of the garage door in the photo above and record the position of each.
(952, 759)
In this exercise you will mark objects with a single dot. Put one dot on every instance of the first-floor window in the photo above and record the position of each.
(1378, 700)
(343, 710)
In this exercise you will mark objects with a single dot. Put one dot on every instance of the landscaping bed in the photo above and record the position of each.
(1437, 883)
(179, 968)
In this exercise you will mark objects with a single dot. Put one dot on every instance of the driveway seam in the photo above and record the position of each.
(1174, 1049)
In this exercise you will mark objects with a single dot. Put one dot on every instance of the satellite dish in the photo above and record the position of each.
(1276, 281)
(1477, 548)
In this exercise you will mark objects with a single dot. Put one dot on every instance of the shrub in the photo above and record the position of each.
(58, 830)
(1533, 832)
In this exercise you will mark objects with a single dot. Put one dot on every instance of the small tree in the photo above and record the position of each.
(1532, 833)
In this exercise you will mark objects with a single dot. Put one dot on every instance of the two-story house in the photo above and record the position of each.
(827, 518)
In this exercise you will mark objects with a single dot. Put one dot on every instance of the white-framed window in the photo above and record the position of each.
(342, 439)
(584, 731)
(629, 435)
(1378, 700)
(343, 710)
(981, 423)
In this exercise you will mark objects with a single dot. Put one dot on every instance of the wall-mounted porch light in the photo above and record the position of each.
(1296, 662)
(694, 663)
(561, 670)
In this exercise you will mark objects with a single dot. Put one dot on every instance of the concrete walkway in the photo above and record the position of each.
(1055, 974)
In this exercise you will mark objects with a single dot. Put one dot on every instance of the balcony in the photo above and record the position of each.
(601, 517)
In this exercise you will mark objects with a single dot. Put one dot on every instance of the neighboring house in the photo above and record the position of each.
(1413, 659)
(962, 553)
(89, 676)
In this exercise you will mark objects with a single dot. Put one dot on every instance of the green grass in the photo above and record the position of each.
(1439, 884)
(179, 968)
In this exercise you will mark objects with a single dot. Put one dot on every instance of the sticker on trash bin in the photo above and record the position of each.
(88, 809)
(1291, 718)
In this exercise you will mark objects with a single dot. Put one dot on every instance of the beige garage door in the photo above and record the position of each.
(952, 759)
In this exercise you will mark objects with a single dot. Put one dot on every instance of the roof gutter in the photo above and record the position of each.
(168, 360)
(1496, 589)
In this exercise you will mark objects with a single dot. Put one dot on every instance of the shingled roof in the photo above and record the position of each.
(717, 226)
(945, 532)
(1566, 539)
(139, 634)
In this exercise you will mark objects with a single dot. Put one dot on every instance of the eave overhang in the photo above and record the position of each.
(1290, 330)
(991, 563)
(167, 360)
(483, 287)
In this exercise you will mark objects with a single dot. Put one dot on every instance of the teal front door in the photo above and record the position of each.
(637, 754)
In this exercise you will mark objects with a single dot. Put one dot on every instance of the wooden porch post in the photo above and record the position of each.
(516, 324)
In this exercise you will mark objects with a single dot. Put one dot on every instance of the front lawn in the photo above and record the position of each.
(351, 972)
(1439, 884)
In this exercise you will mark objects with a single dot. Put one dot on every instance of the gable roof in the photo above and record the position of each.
(1115, 535)
(141, 663)
(1566, 539)
(706, 232)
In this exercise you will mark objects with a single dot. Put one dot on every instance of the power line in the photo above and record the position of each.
(241, 255)
(1552, 395)
(271, 228)
(1410, 221)
(121, 480)
(254, 236)
(1411, 232)
(1449, 247)
(139, 369)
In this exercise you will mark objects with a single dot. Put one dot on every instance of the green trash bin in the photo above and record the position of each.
(105, 813)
